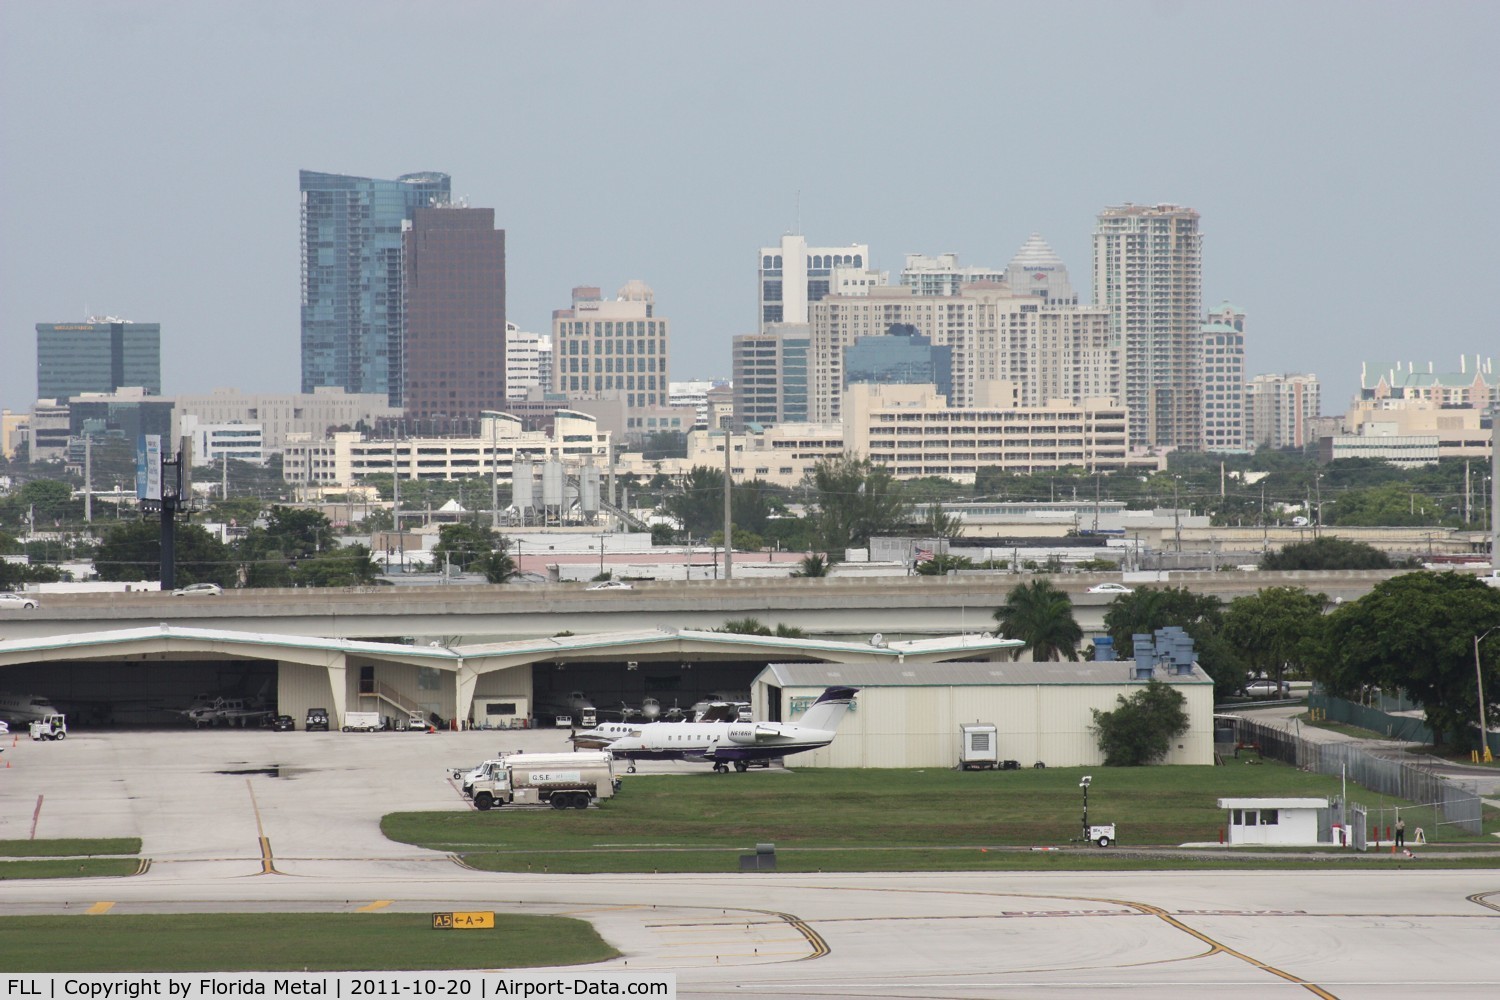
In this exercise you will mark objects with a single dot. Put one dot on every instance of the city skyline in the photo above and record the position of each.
(645, 144)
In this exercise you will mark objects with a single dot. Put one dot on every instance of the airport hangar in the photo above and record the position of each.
(913, 695)
(144, 676)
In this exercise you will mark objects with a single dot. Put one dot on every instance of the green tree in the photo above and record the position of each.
(1416, 632)
(851, 500)
(271, 555)
(1326, 553)
(1041, 616)
(462, 546)
(698, 503)
(937, 523)
(1141, 729)
(811, 566)
(132, 551)
(1278, 629)
(939, 565)
(347, 566)
(498, 566)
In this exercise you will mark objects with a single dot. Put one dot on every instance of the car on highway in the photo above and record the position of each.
(611, 585)
(1111, 588)
(283, 724)
(199, 590)
(1265, 688)
(18, 601)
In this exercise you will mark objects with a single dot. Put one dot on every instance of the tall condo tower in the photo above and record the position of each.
(1148, 272)
(352, 281)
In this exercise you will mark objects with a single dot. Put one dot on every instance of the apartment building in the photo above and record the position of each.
(1280, 410)
(770, 376)
(941, 275)
(1223, 367)
(1148, 272)
(793, 275)
(528, 361)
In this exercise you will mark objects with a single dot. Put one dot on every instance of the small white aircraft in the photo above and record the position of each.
(724, 743)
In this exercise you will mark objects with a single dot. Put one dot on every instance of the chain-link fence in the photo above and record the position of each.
(1450, 804)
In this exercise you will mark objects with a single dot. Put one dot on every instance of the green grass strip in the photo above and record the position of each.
(289, 942)
(69, 848)
(69, 868)
(666, 823)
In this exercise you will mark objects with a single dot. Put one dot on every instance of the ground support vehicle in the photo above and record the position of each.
(52, 727)
(1102, 835)
(563, 780)
(363, 722)
(978, 746)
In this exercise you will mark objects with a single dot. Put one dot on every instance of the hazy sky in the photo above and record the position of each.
(1343, 156)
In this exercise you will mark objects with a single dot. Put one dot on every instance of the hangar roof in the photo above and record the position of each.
(884, 674)
(164, 639)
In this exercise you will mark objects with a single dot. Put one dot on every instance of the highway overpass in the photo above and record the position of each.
(897, 607)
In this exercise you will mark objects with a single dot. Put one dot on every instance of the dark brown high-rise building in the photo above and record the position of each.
(454, 342)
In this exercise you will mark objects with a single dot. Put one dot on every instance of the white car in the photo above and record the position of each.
(611, 585)
(199, 589)
(1111, 588)
(18, 601)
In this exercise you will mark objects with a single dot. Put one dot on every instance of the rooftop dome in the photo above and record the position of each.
(635, 290)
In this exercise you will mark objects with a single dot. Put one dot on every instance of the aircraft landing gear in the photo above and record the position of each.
(630, 769)
(720, 768)
(742, 766)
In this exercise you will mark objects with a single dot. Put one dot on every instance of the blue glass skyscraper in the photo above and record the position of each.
(352, 304)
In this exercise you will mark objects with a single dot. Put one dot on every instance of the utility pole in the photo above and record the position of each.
(1484, 735)
(88, 478)
(1495, 489)
(728, 512)
(494, 472)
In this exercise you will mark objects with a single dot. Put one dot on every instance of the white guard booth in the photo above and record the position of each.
(1283, 822)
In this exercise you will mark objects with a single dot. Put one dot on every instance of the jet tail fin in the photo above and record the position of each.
(828, 711)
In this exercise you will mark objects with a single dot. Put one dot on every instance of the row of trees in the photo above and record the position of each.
(1415, 632)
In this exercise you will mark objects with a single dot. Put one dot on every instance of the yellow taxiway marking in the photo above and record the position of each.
(379, 904)
(99, 908)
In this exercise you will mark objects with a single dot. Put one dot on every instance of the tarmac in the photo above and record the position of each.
(255, 821)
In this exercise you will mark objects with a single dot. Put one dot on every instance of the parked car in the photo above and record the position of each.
(1111, 588)
(1268, 689)
(283, 724)
(317, 718)
(18, 601)
(611, 585)
(199, 590)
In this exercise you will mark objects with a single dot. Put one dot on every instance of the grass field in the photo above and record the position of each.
(878, 820)
(74, 858)
(276, 942)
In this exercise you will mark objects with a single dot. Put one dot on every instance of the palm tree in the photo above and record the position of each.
(812, 565)
(1041, 616)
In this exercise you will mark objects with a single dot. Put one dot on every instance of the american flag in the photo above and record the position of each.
(924, 555)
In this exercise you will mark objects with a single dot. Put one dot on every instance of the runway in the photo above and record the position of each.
(307, 839)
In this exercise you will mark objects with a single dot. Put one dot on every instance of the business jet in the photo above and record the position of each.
(24, 708)
(724, 743)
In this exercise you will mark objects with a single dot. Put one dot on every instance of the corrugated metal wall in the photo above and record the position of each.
(918, 726)
(300, 687)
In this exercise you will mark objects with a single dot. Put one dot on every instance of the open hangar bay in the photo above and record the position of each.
(228, 832)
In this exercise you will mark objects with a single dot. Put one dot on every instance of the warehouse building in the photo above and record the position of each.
(908, 715)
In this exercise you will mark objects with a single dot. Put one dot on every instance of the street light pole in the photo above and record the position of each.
(1484, 734)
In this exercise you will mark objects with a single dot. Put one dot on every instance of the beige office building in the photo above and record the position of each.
(1050, 350)
(347, 457)
(303, 414)
(600, 346)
